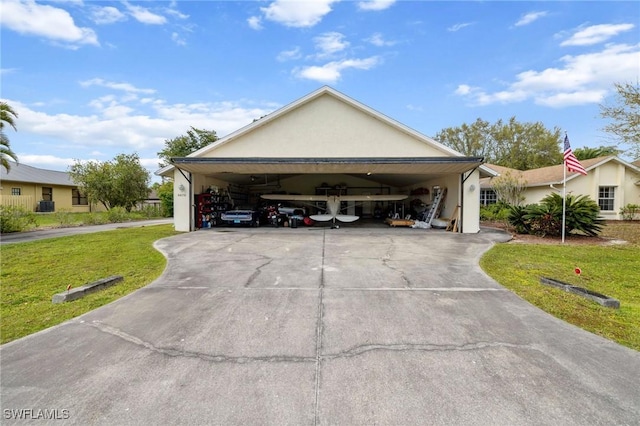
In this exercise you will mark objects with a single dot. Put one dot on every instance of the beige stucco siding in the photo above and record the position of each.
(325, 128)
(612, 173)
(31, 195)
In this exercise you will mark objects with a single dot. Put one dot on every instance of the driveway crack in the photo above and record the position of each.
(176, 353)
(257, 272)
(422, 347)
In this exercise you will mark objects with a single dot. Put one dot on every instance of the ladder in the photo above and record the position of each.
(436, 206)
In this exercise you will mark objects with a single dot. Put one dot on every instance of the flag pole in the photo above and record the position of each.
(572, 164)
(564, 192)
(564, 199)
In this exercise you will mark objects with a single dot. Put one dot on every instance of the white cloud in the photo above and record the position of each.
(378, 40)
(289, 55)
(596, 34)
(293, 13)
(375, 4)
(463, 90)
(582, 79)
(178, 39)
(332, 71)
(126, 87)
(5, 71)
(458, 27)
(144, 15)
(175, 12)
(135, 126)
(330, 43)
(255, 22)
(530, 17)
(31, 18)
(573, 98)
(51, 161)
(107, 15)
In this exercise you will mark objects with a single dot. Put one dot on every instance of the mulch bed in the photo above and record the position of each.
(569, 239)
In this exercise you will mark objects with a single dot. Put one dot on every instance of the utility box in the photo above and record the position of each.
(46, 206)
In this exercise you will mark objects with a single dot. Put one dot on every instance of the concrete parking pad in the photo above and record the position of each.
(321, 326)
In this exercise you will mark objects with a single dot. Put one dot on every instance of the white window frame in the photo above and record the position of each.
(607, 198)
(485, 200)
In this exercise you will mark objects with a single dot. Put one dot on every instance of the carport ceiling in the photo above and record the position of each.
(396, 172)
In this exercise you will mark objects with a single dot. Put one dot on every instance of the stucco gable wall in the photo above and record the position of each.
(326, 127)
(608, 174)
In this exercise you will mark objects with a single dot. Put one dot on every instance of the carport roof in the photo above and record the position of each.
(398, 171)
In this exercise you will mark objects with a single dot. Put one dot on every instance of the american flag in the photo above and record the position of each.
(570, 160)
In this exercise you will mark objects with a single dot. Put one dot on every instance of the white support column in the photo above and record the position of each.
(470, 214)
(182, 202)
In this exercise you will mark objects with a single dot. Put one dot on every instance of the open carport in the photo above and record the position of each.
(321, 326)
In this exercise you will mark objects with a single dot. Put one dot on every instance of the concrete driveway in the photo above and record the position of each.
(319, 326)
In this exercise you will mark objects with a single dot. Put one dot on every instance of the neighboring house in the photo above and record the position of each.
(153, 201)
(41, 190)
(610, 181)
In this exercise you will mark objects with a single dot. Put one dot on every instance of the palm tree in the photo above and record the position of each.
(8, 116)
(587, 153)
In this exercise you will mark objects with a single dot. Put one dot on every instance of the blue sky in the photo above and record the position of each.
(93, 79)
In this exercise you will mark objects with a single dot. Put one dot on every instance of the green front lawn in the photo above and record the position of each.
(610, 270)
(33, 272)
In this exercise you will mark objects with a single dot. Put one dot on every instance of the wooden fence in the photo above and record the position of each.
(24, 201)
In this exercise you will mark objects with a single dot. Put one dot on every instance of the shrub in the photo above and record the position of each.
(630, 212)
(16, 219)
(581, 214)
(117, 215)
(516, 219)
(497, 211)
(64, 218)
(95, 219)
(543, 220)
(151, 210)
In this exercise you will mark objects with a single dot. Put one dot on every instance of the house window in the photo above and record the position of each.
(47, 193)
(606, 197)
(78, 199)
(487, 197)
(15, 191)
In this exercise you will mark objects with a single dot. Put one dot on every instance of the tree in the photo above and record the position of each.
(625, 116)
(122, 182)
(184, 145)
(165, 193)
(516, 145)
(7, 116)
(509, 189)
(601, 151)
(473, 140)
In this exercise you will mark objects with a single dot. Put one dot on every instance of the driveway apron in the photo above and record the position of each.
(320, 326)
